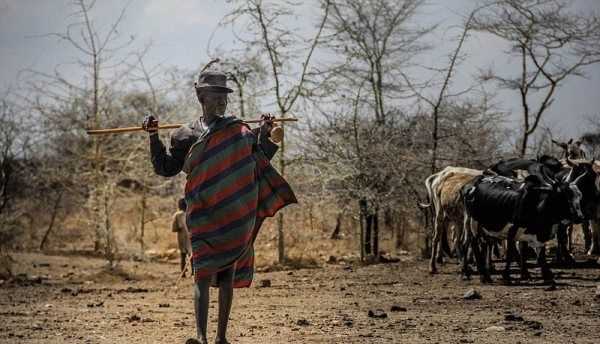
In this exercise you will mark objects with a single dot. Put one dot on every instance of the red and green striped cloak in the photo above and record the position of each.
(231, 187)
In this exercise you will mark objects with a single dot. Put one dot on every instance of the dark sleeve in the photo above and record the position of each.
(269, 148)
(266, 145)
(169, 164)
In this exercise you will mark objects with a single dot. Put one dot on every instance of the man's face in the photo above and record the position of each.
(213, 103)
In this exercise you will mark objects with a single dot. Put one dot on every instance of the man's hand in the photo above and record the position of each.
(150, 124)
(266, 125)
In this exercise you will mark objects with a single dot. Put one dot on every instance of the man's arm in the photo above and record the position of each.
(267, 146)
(175, 224)
(166, 164)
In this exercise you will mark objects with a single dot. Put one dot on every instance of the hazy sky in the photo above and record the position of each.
(180, 30)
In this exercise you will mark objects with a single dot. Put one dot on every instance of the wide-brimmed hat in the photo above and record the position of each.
(213, 81)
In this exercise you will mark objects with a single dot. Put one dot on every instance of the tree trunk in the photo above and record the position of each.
(375, 218)
(335, 235)
(361, 241)
(280, 220)
(369, 235)
(434, 140)
(524, 141)
(142, 219)
(52, 219)
(426, 249)
(280, 242)
(94, 220)
(109, 249)
(311, 217)
(399, 232)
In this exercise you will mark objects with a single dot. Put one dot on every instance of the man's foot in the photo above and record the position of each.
(485, 279)
(221, 341)
(195, 341)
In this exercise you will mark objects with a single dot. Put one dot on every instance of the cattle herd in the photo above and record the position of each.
(515, 202)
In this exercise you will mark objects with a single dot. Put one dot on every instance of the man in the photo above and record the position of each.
(183, 239)
(231, 187)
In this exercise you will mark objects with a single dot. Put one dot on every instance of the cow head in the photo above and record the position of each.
(571, 150)
(596, 170)
(559, 198)
(579, 178)
(573, 196)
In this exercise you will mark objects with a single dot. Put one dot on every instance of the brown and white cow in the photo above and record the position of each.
(443, 190)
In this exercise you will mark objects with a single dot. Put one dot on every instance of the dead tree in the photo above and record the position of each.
(436, 103)
(63, 102)
(13, 150)
(269, 32)
(374, 41)
(549, 43)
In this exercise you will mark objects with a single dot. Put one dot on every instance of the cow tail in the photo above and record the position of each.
(428, 186)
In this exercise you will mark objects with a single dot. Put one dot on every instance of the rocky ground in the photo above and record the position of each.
(74, 299)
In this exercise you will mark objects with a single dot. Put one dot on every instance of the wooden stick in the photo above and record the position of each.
(188, 261)
(168, 126)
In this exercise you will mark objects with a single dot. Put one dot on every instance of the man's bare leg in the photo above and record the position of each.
(183, 263)
(225, 300)
(201, 293)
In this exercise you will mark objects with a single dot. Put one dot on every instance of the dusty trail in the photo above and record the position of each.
(76, 302)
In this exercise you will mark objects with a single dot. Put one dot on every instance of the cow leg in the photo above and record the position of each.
(496, 250)
(479, 252)
(437, 227)
(479, 258)
(488, 255)
(442, 242)
(464, 247)
(516, 252)
(563, 256)
(510, 245)
(523, 247)
(569, 238)
(456, 241)
(587, 237)
(547, 274)
(473, 233)
(445, 246)
(595, 245)
(560, 244)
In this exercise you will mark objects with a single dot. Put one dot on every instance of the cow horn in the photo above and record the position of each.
(578, 178)
(548, 178)
(545, 187)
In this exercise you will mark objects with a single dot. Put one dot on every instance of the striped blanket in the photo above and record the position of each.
(231, 187)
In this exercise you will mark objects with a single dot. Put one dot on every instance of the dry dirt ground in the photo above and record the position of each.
(73, 299)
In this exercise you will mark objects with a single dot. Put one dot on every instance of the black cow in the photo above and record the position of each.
(545, 167)
(549, 168)
(503, 208)
(589, 184)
